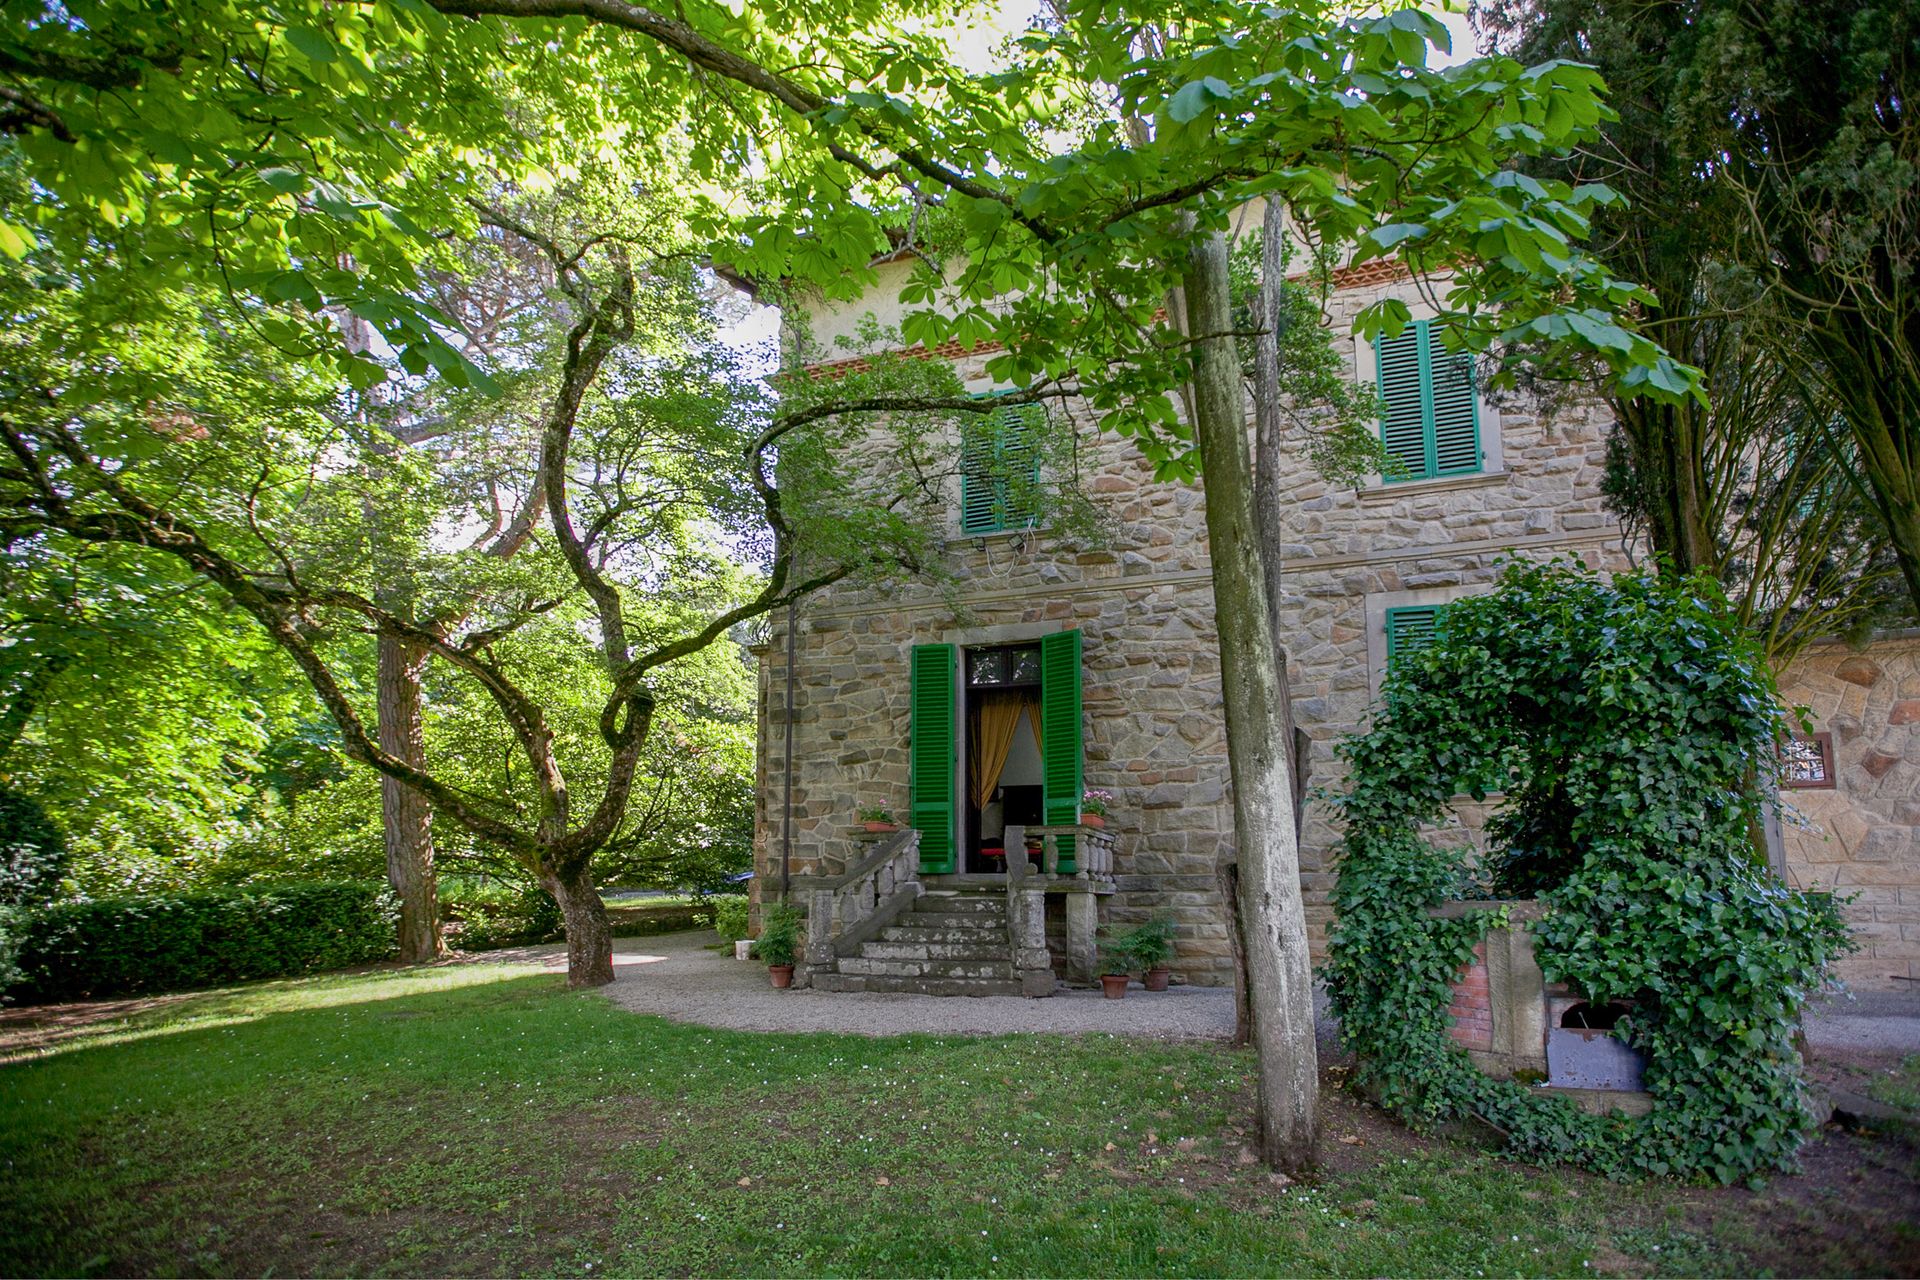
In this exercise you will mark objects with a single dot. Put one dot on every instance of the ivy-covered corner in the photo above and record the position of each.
(1633, 729)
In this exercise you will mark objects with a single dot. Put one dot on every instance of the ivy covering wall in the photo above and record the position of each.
(1633, 730)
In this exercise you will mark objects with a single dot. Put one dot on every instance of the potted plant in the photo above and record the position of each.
(1094, 806)
(779, 942)
(1115, 974)
(878, 820)
(1150, 946)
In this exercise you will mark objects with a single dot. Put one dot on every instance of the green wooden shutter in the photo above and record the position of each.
(1431, 420)
(933, 753)
(999, 470)
(1411, 628)
(1454, 409)
(1403, 422)
(1061, 768)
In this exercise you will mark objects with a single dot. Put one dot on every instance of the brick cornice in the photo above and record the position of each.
(1367, 274)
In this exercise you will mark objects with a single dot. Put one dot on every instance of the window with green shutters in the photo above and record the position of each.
(934, 755)
(1411, 627)
(999, 471)
(1431, 420)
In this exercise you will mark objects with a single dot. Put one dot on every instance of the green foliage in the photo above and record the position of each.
(33, 852)
(119, 946)
(1145, 946)
(490, 916)
(1632, 727)
(875, 814)
(780, 928)
(728, 913)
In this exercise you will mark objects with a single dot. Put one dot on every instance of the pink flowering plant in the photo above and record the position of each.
(1096, 802)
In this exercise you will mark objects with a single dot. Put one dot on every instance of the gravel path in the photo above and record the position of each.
(675, 977)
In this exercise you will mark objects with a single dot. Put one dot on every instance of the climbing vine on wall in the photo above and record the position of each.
(1632, 728)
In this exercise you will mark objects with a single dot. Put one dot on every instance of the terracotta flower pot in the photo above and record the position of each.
(1115, 985)
(781, 974)
(1093, 820)
(1156, 979)
(878, 827)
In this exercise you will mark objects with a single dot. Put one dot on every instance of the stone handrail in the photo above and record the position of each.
(1093, 852)
(849, 909)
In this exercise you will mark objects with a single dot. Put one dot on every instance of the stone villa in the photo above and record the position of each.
(1066, 669)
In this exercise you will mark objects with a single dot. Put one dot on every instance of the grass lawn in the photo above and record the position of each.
(479, 1119)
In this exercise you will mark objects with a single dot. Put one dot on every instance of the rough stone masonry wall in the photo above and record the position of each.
(1863, 837)
(1155, 735)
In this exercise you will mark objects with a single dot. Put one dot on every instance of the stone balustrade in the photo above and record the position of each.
(845, 910)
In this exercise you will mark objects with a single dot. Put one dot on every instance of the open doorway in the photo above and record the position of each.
(1004, 776)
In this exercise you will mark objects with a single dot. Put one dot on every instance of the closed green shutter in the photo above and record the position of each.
(1403, 426)
(999, 471)
(1431, 416)
(933, 753)
(1061, 770)
(1411, 628)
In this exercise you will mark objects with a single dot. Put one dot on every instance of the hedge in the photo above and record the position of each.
(124, 946)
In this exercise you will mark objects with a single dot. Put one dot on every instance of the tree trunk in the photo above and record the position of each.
(589, 935)
(406, 817)
(1272, 912)
(1269, 438)
(1668, 450)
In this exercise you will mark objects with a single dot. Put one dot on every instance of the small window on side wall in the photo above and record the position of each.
(1807, 762)
(1431, 417)
(1410, 628)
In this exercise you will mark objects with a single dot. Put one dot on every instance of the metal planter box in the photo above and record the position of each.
(1591, 1058)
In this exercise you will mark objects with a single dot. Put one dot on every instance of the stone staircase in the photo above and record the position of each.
(949, 943)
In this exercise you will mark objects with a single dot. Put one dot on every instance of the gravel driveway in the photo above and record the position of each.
(675, 977)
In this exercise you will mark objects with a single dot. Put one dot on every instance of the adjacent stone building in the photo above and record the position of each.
(894, 694)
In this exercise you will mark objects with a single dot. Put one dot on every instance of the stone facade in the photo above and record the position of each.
(1862, 836)
(1154, 727)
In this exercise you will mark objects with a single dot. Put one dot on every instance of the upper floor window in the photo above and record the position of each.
(1431, 422)
(999, 471)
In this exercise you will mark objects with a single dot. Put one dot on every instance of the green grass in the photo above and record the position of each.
(474, 1119)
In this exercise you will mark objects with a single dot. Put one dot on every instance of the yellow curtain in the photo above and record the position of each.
(996, 717)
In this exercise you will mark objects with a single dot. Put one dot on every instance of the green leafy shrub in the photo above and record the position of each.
(118, 946)
(728, 914)
(1633, 728)
(486, 917)
(33, 852)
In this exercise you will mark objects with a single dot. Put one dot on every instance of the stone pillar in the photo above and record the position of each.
(819, 931)
(1030, 958)
(1083, 918)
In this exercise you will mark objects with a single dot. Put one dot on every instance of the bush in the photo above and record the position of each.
(728, 915)
(33, 853)
(1634, 730)
(497, 915)
(123, 946)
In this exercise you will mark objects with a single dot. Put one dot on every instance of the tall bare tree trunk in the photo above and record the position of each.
(589, 935)
(405, 816)
(1272, 912)
(1269, 438)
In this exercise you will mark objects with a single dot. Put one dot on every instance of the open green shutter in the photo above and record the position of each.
(1060, 727)
(1403, 422)
(933, 753)
(1455, 411)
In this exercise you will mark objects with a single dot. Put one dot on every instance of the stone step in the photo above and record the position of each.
(917, 950)
(969, 926)
(915, 986)
(996, 942)
(1000, 970)
(959, 904)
